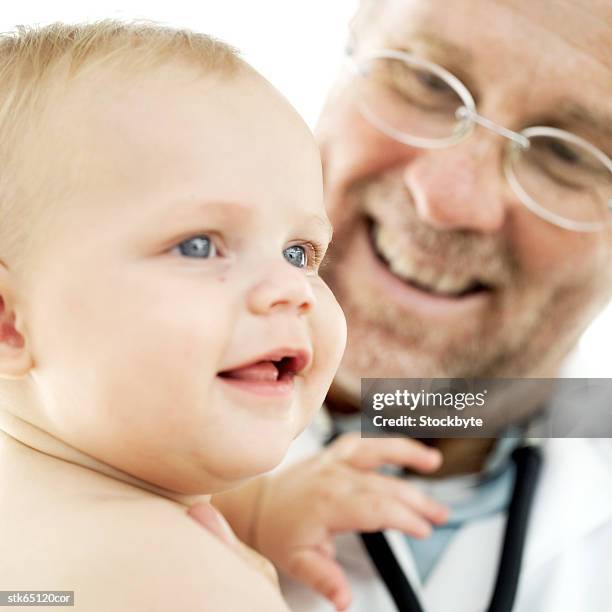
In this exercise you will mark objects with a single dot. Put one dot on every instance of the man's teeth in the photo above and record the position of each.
(402, 265)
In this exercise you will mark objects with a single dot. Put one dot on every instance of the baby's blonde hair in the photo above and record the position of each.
(36, 62)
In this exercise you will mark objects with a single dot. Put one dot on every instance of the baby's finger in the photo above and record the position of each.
(321, 573)
(374, 512)
(384, 486)
(371, 453)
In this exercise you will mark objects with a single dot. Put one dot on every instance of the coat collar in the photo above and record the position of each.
(573, 498)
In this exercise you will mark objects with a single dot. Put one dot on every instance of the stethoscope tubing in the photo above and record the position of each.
(528, 463)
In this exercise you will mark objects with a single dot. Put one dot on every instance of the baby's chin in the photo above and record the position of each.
(213, 475)
(207, 460)
(250, 463)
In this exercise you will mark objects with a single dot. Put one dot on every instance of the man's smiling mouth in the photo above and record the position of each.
(418, 275)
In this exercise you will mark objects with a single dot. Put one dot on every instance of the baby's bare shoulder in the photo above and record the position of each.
(116, 547)
(158, 558)
(136, 554)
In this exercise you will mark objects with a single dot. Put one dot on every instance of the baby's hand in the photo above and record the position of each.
(303, 507)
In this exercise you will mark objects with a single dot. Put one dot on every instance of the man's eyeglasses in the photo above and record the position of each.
(557, 175)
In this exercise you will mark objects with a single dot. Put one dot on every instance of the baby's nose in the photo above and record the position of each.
(283, 286)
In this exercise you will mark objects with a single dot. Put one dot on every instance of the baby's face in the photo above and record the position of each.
(186, 247)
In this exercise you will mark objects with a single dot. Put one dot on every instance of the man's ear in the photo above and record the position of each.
(15, 358)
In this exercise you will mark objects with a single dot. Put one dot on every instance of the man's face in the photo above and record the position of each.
(168, 264)
(416, 229)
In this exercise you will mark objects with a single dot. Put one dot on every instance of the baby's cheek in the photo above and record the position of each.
(329, 327)
(328, 334)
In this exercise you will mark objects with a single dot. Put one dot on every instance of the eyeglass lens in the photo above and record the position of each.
(561, 176)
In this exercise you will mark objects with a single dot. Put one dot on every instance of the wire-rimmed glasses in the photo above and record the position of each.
(558, 175)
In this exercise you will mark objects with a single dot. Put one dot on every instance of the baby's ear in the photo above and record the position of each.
(15, 359)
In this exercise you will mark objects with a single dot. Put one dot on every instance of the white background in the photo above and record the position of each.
(297, 45)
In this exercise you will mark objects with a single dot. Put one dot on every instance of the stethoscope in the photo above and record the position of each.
(528, 461)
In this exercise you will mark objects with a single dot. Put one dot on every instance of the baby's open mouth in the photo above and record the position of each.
(284, 369)
(271, 374)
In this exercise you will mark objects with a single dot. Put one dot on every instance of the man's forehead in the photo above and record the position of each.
(553, 53)
(557, 10)
(582, 26)
(585, 25)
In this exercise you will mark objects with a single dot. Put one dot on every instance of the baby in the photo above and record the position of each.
(164, 334)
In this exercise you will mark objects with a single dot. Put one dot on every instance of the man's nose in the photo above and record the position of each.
(282, 287)
(459, 187)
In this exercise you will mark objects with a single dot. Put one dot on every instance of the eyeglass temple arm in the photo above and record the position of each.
(465, 113)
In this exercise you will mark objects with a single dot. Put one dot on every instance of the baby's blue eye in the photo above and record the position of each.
(198, 246)
(296, 256)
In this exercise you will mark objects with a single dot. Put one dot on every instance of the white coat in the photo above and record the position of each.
(567, 564)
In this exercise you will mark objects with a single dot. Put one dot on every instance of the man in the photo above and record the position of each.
(468, 176)
(460, 252)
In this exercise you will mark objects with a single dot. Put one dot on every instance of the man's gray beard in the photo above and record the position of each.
(509, 341)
